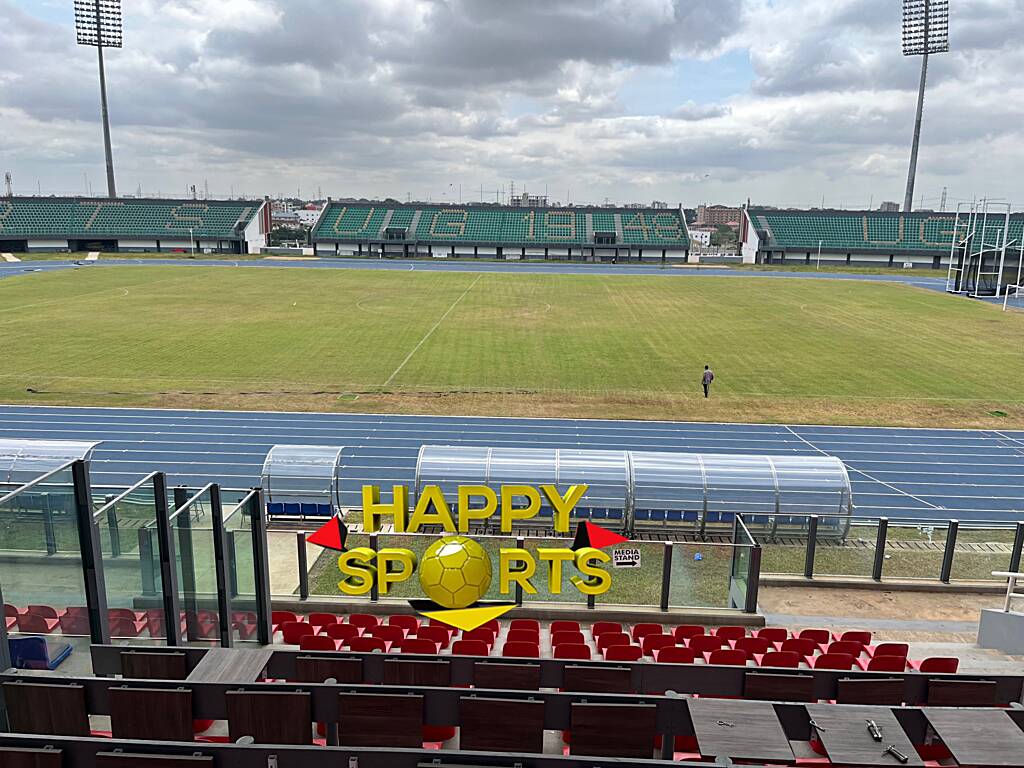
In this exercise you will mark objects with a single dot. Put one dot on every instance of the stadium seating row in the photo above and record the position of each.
(59, 217)
(502, 225)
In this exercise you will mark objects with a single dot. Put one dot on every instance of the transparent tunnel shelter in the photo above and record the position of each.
(302, 480)
(22, 461)
(653, 489)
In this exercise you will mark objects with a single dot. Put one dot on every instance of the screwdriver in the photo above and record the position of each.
(873, 730)
(891, 750)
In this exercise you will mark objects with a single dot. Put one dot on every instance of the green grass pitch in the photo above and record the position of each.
(487, 343)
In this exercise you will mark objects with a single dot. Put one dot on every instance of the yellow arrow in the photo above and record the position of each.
(469, 618)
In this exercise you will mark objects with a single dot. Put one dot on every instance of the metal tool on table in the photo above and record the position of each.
(874, 730)
(817, 727)
(891, 750)
(725, 724)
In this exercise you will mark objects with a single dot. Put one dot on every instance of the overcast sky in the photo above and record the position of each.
(781, 101)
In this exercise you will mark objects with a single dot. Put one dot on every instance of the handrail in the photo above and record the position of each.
(35, 482)
(116, 499)
(1011, 585)
(190, 502)
(241, 504)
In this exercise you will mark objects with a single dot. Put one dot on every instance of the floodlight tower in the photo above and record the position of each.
(98, 23)
(925, 31)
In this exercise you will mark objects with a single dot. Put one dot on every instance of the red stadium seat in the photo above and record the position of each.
(73, 624)
(856, 635)
(522, 636)
(776, 635)
(729, 657)
(806, 648)
(277, 618)
(706, 643)
(600, 627)
(820, 636)
(293, 631)
(316, 643)
(321, 620)
(948, 664)
(684, 632)
(446, 627)
(409, 623)
(363, 620)
(567, 636)
(787, 659)
(609, 639)
(674, 654)
(387, 632)
(470, 648)
(365, 644)
(123, 627)
(889, 649)
(480, 634)
(516, 649)
(48, 612)
(640, 631)
(571, 651)
(754, 646)
(492, 625)
(623, 653)
(731, 633)
(561, 625)
(418, 645)
(341, 631)
(850, 647)
(439, 635)
(834, 661)
(887, 664)
(653, 643)
(525, 624)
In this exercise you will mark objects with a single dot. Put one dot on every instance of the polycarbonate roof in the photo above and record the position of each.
(297, 472)
(22, 461)
(649, 480)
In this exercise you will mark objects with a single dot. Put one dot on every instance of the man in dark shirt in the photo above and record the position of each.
(706, 379)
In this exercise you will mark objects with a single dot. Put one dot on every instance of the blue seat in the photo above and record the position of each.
(728, 517)
(309, 509)
(642, 514)
(711, 517)
(658, 515)
(275, 508)
(292, 508)
(324, 510)
(582, 513)
(674, 515)
(758, 519)
(599, 513)
(615, 514)
(544, 512)
(35, 653)
(689, 517)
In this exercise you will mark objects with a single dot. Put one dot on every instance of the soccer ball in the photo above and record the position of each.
(455, 572)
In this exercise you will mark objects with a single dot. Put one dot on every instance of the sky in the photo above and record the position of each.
(783, 102)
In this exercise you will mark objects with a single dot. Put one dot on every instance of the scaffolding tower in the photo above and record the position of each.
(981, 239)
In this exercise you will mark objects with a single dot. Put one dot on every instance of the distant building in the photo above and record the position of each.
(718, 216)
(889, 207)
(659, 205)
(526, 200)
(285, 218)
(701, 235)
(308, 216)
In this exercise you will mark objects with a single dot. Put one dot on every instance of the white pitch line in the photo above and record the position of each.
(869, 477)
(433, 328)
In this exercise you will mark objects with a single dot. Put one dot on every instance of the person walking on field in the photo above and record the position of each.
(706, 379)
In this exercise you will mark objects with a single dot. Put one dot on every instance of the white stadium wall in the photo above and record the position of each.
(47, 245)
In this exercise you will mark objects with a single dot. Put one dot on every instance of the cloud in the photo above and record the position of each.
(388, 97)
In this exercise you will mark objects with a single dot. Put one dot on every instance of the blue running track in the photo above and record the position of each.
(900, 473)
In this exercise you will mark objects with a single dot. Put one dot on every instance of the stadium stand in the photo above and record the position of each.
(78, 224)
(500, 232)
(868, 238)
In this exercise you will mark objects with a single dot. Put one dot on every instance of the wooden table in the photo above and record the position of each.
(843, 730)
(231, 665)
(747, 730)
(979, 736)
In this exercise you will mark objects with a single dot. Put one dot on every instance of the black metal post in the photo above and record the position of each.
(1018, 545)
(48, 533)
(232, 563)
(947, 553)
(92, 556)
(753, 579)
(300, 551)
(666, 575)
(880, 538)
(146, 562)
(375, 587)
(168, 561)
(257, 512)
(220, 566)
(186, 553)
(520, 543)
(591, 602)
(115, 532)
(812, 545)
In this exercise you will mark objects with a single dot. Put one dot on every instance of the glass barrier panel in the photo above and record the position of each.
(191, 528)
(914, 551)
(41, 566)
(700, 575)
(979, 551)
(636, 584)
(241, 575)
(836, 555)
(131, 565)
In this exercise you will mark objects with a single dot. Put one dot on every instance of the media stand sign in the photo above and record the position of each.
(626, 557)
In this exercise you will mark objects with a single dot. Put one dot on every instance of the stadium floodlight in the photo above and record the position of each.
(925, 31)
(98, 23)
